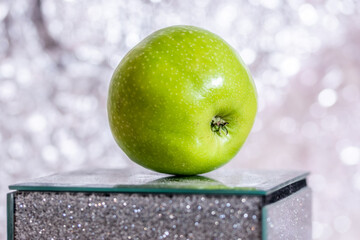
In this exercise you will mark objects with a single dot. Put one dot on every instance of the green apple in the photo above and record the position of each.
(181, 101)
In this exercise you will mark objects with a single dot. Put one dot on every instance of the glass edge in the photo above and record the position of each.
(157, 189)
(136, 190)
(10, 215)
(263, 223)
(290, 181)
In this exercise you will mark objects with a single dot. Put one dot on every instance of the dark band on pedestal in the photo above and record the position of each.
(284, 192)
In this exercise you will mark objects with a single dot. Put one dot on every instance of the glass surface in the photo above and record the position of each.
(133, 180)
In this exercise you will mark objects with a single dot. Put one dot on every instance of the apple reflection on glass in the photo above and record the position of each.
(195, 182)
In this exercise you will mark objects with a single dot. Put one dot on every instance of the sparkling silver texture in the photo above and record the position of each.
(57, 57)
(290, 217)
(135, 216)
(132, 204)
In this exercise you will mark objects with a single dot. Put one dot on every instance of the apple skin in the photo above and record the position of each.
(165, 93)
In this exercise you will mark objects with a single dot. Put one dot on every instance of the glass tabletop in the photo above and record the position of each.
(253, 182)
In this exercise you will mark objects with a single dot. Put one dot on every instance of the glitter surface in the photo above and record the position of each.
(135, 216)
(187, 207)
(289, 218)
(57, 57)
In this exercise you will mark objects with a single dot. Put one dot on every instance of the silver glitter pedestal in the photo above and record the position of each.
(123, 204)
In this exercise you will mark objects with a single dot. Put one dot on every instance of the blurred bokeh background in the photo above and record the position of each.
(57, 58)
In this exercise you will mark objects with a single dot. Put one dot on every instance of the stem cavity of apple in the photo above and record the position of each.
(218, 124)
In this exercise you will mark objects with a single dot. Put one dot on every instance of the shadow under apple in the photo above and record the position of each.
(187, 182)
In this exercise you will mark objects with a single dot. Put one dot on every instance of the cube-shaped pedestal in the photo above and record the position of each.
(127, 204)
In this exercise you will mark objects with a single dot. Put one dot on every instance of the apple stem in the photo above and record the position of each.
(218, 124)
